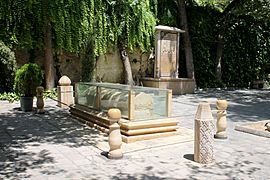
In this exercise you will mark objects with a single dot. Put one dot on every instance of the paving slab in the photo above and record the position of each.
(56, 146)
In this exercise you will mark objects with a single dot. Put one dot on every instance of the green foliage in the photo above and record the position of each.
(130, 23)
(204, 34)
(74, 23)
(52, 94)
(167, 13)
(107, 22)
(246, 55)
(27, 78)
(23, 23)
(88, 63)
(219, 5)
(10, 96)
(8, 68)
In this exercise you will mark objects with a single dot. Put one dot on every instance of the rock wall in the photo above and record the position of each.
(65, 64)
(109, 67)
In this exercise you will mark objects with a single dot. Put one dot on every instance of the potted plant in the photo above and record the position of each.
(27, 78)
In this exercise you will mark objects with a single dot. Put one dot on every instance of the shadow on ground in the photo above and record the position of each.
(244, 105)
(22, 134)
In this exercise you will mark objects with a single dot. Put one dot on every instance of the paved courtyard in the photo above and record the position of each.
(56, 146)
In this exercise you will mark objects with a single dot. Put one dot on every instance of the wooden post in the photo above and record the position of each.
(98, 101)
(131, 104)
(169, 103)
(76, 93)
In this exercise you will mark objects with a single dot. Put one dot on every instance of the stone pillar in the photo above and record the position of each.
(115, 138)
(204, 134)
(65, 92)
(40, 101)
(221, 119)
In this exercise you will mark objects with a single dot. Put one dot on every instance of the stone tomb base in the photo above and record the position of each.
(131, 130)
(177, 85)
(256, 128)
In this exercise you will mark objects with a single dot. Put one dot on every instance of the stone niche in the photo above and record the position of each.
(166, 63)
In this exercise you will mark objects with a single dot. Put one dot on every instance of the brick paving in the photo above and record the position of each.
(56, 146)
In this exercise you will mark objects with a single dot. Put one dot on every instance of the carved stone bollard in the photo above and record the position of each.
(115, 138)
(65, 92)
(204, 134)
(221, 119)
(40, 101)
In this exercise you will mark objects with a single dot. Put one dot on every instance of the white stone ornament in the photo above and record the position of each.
(204, 134)
(115, 138)
(221, 119)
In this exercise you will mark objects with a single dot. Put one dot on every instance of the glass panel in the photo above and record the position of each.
(114, 98)
(86, 95)
(150, 103)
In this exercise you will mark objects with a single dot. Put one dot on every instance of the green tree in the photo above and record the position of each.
(62, 25)
(125, 25)
(256, 9)
(49, 25)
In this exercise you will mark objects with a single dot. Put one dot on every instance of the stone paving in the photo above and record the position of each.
(56, 146)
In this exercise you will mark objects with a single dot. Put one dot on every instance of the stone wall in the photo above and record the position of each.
(109, 67)
(65, 64)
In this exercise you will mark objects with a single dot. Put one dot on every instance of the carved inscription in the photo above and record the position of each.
(168, 55)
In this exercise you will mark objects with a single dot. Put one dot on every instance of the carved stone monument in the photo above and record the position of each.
(65, 92)
(166, 63)
(204, 134)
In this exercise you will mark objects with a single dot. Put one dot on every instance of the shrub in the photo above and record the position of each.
(8, 68)
(27, 78)
(10, 96)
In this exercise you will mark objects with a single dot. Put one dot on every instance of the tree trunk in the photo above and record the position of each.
(48, 63)
(219, 53)
(127, 66)
(220, 43)
(187, 43)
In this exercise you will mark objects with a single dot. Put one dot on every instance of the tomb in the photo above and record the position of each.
(166, 63)
(146, 112)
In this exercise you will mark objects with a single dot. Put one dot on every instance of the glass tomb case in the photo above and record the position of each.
(135, 102)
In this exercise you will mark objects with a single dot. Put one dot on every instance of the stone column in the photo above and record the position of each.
(221, 119)
(204, 134)
(40, 101)
(65, 92)
(115, 138)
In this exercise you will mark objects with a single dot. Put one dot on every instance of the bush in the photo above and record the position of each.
(8, 68)
(27, 78)
(11, 97)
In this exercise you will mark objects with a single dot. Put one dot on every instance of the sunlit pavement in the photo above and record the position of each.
(56, 146)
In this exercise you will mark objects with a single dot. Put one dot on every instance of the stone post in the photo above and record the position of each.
(65, 92)
(115, 138)
(203, 134)
(40, 101)
(221, 119)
